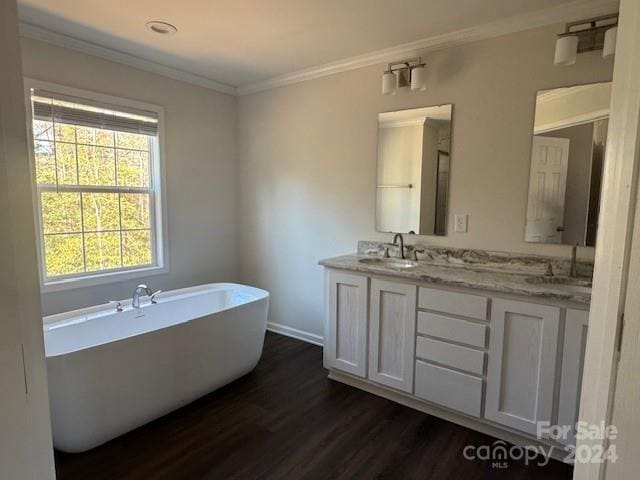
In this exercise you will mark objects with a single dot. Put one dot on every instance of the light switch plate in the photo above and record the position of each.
(461, 223)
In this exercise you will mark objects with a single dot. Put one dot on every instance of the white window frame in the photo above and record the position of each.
(158, 213)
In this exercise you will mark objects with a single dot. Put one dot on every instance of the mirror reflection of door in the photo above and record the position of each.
(547, 185)
(570, 129)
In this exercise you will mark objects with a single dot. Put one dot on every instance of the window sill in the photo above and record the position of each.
(100, 279)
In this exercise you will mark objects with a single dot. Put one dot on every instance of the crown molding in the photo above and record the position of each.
(555, 93)
(44, 35)
(572, 121)
(559, 14)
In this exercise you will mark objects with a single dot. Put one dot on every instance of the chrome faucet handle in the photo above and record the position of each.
(117, 304)
(414, 255)
(152, 297)
(386, 252)
(549, 272)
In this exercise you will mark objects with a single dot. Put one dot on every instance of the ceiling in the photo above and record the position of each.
(242, 42)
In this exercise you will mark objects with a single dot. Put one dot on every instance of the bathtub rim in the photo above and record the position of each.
(104, 309)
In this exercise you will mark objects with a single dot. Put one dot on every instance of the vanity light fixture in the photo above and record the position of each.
(161, 28)
(419, 78)
(404, 74)
(598, 33)
(388, 83)
(566, 50)
(610, 38)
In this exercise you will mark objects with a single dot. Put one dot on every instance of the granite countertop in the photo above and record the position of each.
(478, 277)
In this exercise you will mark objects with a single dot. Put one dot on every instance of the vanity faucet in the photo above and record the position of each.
(573, 270)
(401, 247)
(142, 290)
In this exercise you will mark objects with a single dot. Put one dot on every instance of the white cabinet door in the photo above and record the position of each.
(392, 334)
(346, 333)
(523, 347)
(575, 342)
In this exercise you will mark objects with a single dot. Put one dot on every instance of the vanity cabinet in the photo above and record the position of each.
(450, 349)
(392, 334)
(486, 360)
(523, 346)
(454, 303)
(526, 381)
(449, 388)
(346, 333)
(574, 345)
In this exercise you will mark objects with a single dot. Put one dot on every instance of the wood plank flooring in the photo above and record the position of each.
(286, 420)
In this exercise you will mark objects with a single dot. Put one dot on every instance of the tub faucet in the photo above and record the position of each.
(401, 247)
(144, 290)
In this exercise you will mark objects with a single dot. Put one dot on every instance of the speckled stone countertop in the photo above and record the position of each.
(484, 276)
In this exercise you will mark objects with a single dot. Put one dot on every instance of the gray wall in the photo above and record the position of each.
(199, 165)
(307, 161)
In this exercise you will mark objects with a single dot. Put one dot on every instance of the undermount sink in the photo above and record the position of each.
(571, 283)
(389, 262)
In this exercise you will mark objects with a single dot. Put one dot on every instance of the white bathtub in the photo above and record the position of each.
(110, 372)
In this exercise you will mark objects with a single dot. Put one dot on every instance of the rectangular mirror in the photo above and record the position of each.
(413, 170)
(567, 155)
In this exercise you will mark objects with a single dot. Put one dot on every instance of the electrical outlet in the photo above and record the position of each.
(461, 223)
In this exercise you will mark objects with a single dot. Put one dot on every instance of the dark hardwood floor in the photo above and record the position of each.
(286, 420)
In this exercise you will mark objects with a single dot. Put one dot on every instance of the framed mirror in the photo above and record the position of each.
(414, 160)
(567, 156)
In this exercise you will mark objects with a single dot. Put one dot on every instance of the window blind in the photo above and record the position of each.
(59, 108)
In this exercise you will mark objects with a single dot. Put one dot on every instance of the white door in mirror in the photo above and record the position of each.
(547, 187)
(461, 223)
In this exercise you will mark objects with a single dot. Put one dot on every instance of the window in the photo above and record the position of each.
(97, 188)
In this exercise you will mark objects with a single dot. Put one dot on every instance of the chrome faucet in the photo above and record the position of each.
(573, 269)
(144, 290)
(401, 247)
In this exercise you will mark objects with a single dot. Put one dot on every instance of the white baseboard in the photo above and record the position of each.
(295, 333)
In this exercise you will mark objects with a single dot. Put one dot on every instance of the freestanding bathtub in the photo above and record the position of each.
(110, 372)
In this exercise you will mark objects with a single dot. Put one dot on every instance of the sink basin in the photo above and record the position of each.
(580, 285)
(389, 262)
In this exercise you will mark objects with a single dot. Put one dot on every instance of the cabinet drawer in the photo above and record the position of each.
(472, 306)
(454, 390)
(453, 329)
(455, 356)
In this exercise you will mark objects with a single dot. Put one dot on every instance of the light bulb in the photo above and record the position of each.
(566, 50)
